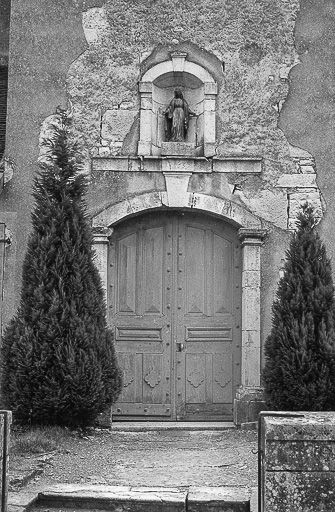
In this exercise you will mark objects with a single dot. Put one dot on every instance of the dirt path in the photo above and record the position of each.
(159, 458)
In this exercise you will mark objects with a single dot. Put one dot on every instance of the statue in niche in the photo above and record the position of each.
(177, 118)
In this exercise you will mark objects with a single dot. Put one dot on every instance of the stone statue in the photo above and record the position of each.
(177, 117)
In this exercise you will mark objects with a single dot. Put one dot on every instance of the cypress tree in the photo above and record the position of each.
(299, 369)
(58, 358)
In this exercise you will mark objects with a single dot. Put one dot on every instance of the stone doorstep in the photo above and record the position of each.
(145, 426)
(137, 499)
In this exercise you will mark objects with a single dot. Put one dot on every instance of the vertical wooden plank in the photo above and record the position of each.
(209, 399)
(138, 378)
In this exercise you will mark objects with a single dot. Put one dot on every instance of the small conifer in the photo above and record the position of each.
(299, 352)
(58, 358)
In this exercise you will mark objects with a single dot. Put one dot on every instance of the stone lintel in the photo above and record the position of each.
(252, 236)
(148, 163)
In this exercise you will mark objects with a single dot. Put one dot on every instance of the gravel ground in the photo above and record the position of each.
(155, 458)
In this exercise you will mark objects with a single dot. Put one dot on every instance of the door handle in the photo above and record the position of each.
(180, 346)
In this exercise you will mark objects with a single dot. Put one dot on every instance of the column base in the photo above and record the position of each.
(104, 419)
(248, 403)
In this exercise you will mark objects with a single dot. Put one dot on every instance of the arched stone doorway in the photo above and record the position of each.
(175, 305)
(247, 229)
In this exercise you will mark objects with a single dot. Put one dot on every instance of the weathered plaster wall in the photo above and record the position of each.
(43, 43)
(308, 116)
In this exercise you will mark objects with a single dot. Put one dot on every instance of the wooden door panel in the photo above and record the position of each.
(153, 262)
(141, 319)
(127, 270)
(195, 286)
(222, 275)
(208, 257)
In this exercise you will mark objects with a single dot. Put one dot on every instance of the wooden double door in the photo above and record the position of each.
(175, 304)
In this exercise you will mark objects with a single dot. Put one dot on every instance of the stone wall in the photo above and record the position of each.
(297, 461)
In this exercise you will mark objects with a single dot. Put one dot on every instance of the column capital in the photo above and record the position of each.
(101, 234)
(252, 236)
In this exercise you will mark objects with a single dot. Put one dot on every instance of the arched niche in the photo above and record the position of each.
(156, 90)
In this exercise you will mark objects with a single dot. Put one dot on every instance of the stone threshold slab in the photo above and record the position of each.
(144, 426)
(139, 499)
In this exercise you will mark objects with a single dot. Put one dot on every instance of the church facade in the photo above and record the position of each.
(196, 175)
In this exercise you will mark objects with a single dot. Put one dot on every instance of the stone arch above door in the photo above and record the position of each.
(251, 235)
(156, 90)
(230, 211)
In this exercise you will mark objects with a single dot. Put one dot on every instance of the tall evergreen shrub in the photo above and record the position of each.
(299, 370)
(58, 359)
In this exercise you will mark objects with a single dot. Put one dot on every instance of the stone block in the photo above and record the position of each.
(210, 88)
(209, 148)
(251, 257)
(299, 492)
(297, 180)
(145, 87)
(255, 407)
(144, 148)
(178, 149)
(241, 411)
(117, 499)
(202, 165)
(209, 127)
(104, 419)
(104, 151)
(313, 455)
(218, 499)
(117, 123)
(251, 279)
(179, 165)
(176, 188)
(251, 309)
(146, 103)
(307, 169)
(298, 470)
(210, 105)
(250, 362)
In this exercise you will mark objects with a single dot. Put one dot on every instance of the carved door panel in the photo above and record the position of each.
(208, 313)
(140, 307)
(175, 306)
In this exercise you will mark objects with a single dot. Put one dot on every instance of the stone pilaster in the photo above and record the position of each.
(248, 400)
(100, 244)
